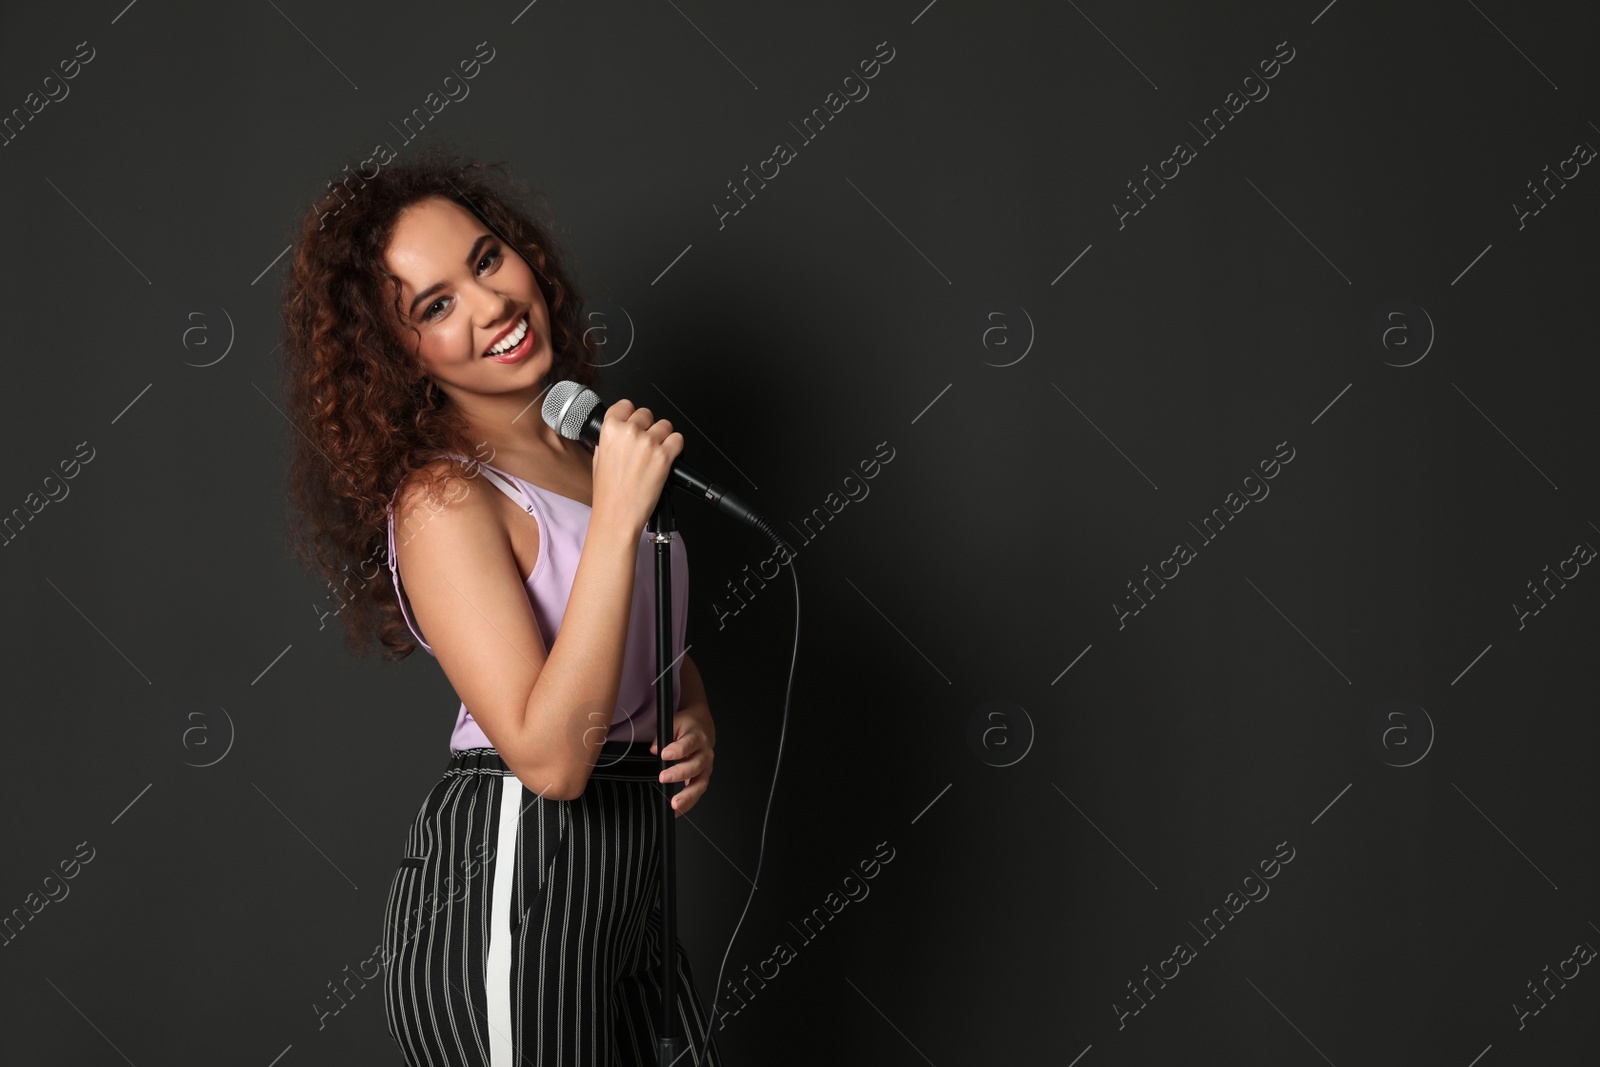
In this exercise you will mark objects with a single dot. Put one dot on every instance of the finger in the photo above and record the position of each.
(688, 797)
(684, 770)
(676, 749)
(685, 744)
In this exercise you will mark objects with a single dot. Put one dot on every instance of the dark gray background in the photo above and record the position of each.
(851, 303)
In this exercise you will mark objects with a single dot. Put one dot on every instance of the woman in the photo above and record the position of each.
(425, 316)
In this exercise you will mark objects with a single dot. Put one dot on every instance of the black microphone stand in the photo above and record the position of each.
(663, 527)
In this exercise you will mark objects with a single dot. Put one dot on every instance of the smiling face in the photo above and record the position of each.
(468, 292)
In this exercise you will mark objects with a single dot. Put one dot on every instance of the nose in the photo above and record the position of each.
(493, 308)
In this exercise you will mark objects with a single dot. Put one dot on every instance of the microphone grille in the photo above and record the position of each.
(567, 408)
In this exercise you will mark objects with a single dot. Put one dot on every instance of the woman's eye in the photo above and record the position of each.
(430, 314)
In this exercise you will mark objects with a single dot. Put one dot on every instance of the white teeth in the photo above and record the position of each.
(513, 339)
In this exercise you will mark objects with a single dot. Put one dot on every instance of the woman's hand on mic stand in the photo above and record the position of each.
(694, 738)
(691, 748)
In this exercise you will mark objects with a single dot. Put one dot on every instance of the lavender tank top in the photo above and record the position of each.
(563, 527)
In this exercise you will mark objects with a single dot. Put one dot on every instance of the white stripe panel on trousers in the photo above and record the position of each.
(498, 963)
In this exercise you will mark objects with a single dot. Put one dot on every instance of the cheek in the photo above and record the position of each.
(448, 342)
(529, 281)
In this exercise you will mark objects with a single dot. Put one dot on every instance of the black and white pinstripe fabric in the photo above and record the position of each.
(526, 931)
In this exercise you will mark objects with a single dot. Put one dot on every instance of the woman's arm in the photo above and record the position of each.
(692, 698)
(546, 715)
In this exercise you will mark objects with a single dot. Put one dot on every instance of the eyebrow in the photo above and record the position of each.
(472, 258)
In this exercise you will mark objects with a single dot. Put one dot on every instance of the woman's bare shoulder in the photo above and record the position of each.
(441, 486)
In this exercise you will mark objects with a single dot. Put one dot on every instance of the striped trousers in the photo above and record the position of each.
(525, 931)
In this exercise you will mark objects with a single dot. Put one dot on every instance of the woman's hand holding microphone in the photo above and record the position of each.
(631, 463)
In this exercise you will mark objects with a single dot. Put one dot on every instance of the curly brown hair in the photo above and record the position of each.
(366, 412)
